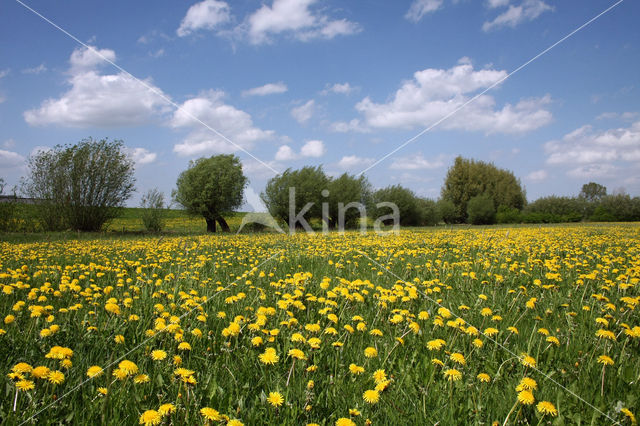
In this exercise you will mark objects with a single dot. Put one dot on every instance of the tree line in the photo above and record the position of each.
(82, 186)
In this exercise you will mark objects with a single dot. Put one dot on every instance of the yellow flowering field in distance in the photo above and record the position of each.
(526, 325)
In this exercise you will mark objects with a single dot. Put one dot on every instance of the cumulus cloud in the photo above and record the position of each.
(419, 8)
(304, 112)
(296, 18)
(417, 162)
(354, 125)
(142, 155)
(312, 148)
(340, 88)
(267, 89)
(596, 150)
(528, 10)
(100, 100)
(349, 162)
(210, 108)
(434, 93)
(10, 159)
(537, 176)
(206, 15)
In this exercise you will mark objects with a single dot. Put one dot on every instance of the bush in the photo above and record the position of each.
(447, 211)
(429, 212)
(153, 214)
(404, 199)
(508, 214)
(480, 210)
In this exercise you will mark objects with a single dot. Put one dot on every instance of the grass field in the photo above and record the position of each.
(521, 325)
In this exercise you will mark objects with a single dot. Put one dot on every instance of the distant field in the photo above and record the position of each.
(176, 221)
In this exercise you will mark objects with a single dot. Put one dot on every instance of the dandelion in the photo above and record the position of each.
(119, 339)
(435, 345)
(275, 399)
(484, 377)
(128, 367)
(452, 375)
(458, 358)
(235, 422)
(184, 346)
(94, 371)
(210, 414)
(606, 334)
(158, 355)
(345, 421)
(102, 391)
(56, 377)
(25, 385)
(22, 367)
(629, 415)
(605, 360)
(490, 331)
(370, 352)
(141, 378)
(371, 396)
(355, 369)
(297, 354)
(379, 376)
(150, 418)
(545, 407)
(40, 372)
(526, 383)
(525, 397)
(527, 360)
(166, 409)
(269, 356)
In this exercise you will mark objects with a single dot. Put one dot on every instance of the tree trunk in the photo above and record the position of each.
(223, 224)
(211, 224)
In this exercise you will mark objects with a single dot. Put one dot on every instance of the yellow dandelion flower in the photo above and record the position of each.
(436, 361)
(490, 331)
(527, 383)
(371, 396)
(94, 371)
(605, 360)
(22, 367)
(435, 345)
(545, 407)
(297, 354)
(150, 418)
(158, 355)
(119, 339)
(141, 378)
(629, 415)
(210, 414)
(345, 421)
(370, 352)
(275, 399)
(184, 346)
(606, 334)
(56, 377)
(452, 375)
(25, 385)
(40, 372)
(235, 422)
(525, 397)
(379, 376)
(128, 367)
(355, 369)
(166, 409)
(527, 360)
(269, 356)
(484, 377)
(458, 358)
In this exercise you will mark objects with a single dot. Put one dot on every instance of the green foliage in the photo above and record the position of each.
(406, 201)
(153, 215)
(480, 210)
(80, 186)
(508, 214)
(469, 178)
(348, 189)
(593, 191)
(308, 183)
(555, 209)
(212, 187)
(429, 211)
(617, 208)
(447, 211)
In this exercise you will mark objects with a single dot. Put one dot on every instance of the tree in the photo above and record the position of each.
(469, 178)
(593, 192)
(347, 189)
(152, 205)
(447, 211)
(212, 187)
(307, 183)
(80, 186)
(404, 199)
(480, 210)
(429, 212)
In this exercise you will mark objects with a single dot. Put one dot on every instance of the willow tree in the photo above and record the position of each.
(212, 188)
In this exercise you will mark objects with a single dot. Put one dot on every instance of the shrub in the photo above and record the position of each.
(508, 214)
(480, 210)
(153, 215)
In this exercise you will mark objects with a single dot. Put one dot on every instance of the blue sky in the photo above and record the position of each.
(341, 84)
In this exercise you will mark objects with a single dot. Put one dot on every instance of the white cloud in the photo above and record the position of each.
(313, 148)
(354, 125)
(348, 162)
(303, 113)
(4, 73)
(434, 93)
(142, 155)
(285, 153)
(231, 122)
(206, 15)
(296, 18)
(101, 100)
(417, 162)
(10, 159)
(592, 171)
(419, 8)
(528, 10)
(537, 176)
(596, 148)
(267, 89)
(492, 4)
(35, 70)
(9, 143)
(341, 88)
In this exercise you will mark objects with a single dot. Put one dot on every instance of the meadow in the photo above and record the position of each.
(495, 325)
